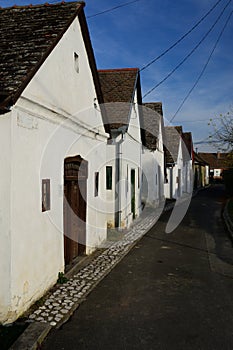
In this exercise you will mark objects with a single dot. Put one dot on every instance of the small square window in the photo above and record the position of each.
(45, 195)
(108, 177)
(96, 184)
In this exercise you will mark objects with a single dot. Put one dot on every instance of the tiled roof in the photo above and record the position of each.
(151, 119)
(172, 142)
(187, 146)
(118, 88)
(28, 34)
(217, 160)
(156, 106)
(198, 159)
(118, 84)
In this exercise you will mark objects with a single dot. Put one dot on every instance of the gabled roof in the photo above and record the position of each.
(118, 85)
(156, 106)
(151, 123)
(187, 146)
(172, 142)
(217, 160)
(28, 34)
(187, 138)
(118, 89)
(199, 160)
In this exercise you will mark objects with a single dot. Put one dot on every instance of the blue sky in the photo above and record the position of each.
(134, 35)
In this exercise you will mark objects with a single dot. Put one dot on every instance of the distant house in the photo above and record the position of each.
(218, 162)
(188, 161)
(174, 162)
(201, 171)
(153, 162)
(52, 150)
(122, 96)
(179, 155)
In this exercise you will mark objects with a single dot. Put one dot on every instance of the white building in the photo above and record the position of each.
(122, 96)
(179, 162)
(153, 154)
(52, 140)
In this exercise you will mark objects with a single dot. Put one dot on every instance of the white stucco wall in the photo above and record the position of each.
(5, 214)
(153, 173)
(153, 177)
(175, 176)
(131, 151)
(42, 136)
(128, 148)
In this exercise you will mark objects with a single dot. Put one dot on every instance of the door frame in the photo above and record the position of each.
(74, 207)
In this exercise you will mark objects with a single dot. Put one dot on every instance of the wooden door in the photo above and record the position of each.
(75, 183)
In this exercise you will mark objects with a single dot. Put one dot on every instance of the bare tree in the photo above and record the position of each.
(223, 132)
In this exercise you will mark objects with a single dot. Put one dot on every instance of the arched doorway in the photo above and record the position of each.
(75, 196)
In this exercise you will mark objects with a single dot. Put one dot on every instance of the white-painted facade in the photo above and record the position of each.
(173, 188)
(153, 169)
(180, 173)
(124, 156)
(56, 116)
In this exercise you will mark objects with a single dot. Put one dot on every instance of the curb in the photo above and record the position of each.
(36, 332)
(32, 337)
(227, 219)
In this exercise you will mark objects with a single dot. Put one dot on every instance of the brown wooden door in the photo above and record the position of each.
(75, 183)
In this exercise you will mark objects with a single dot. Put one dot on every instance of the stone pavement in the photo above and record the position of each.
(65, 299)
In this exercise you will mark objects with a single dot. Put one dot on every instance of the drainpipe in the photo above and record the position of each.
(118, 211)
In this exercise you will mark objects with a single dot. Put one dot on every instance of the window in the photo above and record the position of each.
(76, 62)
(96, 184)
(108, 177)
(45, 194)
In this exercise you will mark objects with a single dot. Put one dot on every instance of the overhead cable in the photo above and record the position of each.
(113, 8)
(204, 68)
(189, 54)
(181, 38)
(173, 45)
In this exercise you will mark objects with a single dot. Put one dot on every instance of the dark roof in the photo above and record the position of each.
(118, 85)
(199, 160)
(28, 34)
(172, 142)
(187, 138)
(118, 89)
(187, 146)
(217, 160)
(150, 121)
(156, 106)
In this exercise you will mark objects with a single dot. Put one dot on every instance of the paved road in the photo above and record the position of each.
(172, 291)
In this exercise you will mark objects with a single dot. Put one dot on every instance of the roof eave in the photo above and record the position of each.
(12, 98)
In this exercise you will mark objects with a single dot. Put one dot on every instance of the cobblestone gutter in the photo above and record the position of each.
(66, 298)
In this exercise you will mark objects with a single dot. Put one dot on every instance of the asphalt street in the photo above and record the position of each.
(172, 291)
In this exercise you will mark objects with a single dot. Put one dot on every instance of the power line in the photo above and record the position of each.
(96, 14)
(195, 121)
(204, 68)
(180, 39)
(113, 8)
(189, 54)
(172, 46)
